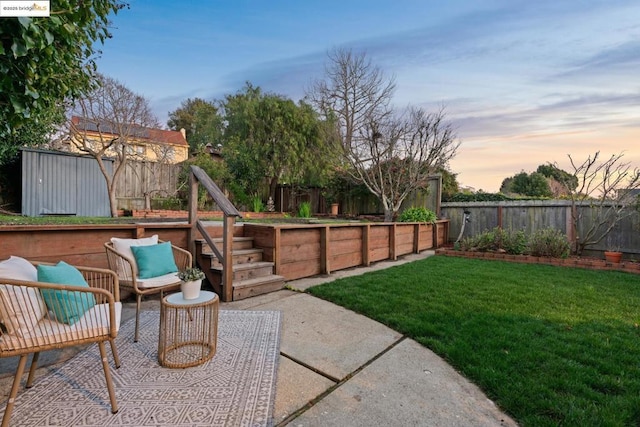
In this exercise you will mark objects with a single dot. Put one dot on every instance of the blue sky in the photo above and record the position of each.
(524, 83)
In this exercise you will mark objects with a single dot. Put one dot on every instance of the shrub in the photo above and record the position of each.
(168, 203)
(549, 242)
(304, 211)
(514, 242)
(498, 239)
(417, 214)
(258, 206)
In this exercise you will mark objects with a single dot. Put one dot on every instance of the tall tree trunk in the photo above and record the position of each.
(273, 185)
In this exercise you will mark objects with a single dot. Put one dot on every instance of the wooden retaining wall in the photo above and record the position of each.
(310, 249)
(297, 250)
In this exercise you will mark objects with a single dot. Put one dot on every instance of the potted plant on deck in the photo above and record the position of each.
(191, 282)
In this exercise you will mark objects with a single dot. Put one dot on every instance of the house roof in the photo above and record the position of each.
(152, 135)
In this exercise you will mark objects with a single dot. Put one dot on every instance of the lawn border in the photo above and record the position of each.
(579, 262)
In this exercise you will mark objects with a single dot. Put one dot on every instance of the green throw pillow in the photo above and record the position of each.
(68, 306)
(154, 260)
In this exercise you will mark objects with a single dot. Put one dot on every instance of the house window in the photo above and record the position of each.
(136, 150)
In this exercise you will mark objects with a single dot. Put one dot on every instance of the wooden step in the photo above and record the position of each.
(247, 270)
(238, 243)
(241, 256)
(260, 285)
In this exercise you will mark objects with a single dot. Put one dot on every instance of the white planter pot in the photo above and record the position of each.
(191, 290)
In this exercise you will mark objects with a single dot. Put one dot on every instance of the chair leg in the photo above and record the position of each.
(138, 302)
(32, 370)
(107, 377)
(14, 390)
(114, 351)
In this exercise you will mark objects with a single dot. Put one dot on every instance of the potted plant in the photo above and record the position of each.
(613, 254)
(191, 282)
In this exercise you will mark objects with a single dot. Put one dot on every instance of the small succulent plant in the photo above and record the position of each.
(191, 274)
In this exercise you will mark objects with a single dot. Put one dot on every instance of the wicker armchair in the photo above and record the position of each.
(30, 326)
(127, 271)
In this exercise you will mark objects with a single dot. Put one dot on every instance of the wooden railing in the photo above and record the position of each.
(230, 213)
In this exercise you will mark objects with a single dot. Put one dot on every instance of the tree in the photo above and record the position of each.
(450, 185)
(608, 189)
(111, 117)
(354, 93)
(561, 182)
(270, 137)
(44, 61)
(201, 121)
(391, 154)
(532, 185)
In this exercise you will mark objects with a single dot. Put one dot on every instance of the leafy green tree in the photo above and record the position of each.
(533, 185)
(201, 121)
(44, 61)
(565, 180)
(270, 137)
(450, 184)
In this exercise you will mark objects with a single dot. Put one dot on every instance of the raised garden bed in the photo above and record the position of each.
(579, 262)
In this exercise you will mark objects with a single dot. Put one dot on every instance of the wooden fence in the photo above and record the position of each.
(141, 180)
(532, 215)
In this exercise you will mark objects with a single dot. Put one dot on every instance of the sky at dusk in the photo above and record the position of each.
(524, 83)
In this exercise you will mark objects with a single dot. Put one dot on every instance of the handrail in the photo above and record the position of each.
(196, 176)
(214, 191)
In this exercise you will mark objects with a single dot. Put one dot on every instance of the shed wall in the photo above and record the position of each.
(56, 183)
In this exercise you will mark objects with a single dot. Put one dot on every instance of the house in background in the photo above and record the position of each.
(144, 144)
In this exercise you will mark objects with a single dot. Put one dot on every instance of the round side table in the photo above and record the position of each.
(188, 329)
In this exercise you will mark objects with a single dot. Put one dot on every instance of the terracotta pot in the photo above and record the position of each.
(334, 209)
(613, 257)
(191, 290)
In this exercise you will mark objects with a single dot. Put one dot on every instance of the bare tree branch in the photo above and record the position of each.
(606, 187)
(391, 154)
(107, 123)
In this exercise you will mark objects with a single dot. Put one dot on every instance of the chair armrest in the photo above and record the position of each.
(182, 257)
(125, 268)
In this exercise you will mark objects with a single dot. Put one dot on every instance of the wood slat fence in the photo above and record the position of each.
(532, 215)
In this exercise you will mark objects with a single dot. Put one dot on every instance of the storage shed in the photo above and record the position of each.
(59, 183)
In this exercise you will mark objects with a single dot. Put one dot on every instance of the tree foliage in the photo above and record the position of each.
(532, 185)
(391, 153)
(450, 185)
(270, 136)
(201, 121)
(44, 61)
(111, 117)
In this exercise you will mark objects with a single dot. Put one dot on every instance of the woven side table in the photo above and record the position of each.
(188, 330)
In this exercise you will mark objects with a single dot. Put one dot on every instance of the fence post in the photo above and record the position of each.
(325, 263)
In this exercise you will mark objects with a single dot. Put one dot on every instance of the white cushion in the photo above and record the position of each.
(17, 268)
(21, 307)
(94, 323)
(154, 282)
(123, 247)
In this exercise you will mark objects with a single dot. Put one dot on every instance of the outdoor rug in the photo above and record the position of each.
(235, 388)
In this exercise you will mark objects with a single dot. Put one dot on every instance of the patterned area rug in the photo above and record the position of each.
(235, 388)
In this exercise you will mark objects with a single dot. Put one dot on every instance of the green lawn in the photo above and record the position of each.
(550, 345)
